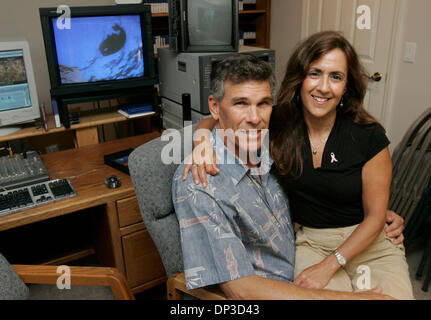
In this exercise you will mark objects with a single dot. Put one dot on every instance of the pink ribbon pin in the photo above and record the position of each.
(333, 159)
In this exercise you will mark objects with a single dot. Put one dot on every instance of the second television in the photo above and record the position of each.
(203, 25)
(98, 49)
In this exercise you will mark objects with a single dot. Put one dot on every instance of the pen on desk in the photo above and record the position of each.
(44, 120)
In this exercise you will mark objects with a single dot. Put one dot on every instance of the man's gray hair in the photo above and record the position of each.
(240, 68)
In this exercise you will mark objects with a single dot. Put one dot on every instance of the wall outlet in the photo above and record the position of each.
(410, 52)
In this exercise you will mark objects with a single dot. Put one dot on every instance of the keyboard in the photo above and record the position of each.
(22, 170)
(34, 195)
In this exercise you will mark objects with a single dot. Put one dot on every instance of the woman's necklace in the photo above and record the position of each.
(315, 148)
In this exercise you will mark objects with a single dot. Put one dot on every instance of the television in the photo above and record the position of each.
(18, 94)
(100, 49)
(203, 25)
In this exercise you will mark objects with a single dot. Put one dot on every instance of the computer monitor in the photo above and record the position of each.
(18, 94)
(203, 25)
(103, 48)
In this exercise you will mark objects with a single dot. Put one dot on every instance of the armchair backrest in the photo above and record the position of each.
(11, 285)
(152, 179)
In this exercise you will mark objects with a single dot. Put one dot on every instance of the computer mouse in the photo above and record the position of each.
(112, 182)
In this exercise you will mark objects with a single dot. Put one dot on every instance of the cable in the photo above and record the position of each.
(79, 175)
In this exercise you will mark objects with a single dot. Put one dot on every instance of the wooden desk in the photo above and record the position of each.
(123, 242)
(85, 131)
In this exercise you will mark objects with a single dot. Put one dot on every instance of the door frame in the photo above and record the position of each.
(394, 61)
(394, 58)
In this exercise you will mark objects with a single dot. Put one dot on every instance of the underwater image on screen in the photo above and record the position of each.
(99, 48)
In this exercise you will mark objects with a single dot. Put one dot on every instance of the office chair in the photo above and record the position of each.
(20, 282)
(152, 180)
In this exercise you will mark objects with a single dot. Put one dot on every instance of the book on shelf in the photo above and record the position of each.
(160, 41)
(247, 37)
(248, 5)
(136, 110)
(157, 6)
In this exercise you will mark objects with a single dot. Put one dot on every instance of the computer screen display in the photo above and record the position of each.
(209, 22)
(14, 88)
(99, 48)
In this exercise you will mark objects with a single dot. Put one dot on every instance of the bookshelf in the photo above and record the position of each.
(254, 23)
(257, 20)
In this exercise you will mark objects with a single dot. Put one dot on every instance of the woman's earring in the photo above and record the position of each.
(341, 103)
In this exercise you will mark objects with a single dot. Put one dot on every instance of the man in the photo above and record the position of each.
(237, 232)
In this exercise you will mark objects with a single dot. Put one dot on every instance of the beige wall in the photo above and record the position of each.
(19, 19)
(285, 31)
(413, 80)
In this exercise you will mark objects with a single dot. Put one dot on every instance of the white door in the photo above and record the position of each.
(372, 42)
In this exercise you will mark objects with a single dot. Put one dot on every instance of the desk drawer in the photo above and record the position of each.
(128, 212)
(141, 258)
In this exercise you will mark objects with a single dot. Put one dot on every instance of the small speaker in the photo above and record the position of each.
(187, 107)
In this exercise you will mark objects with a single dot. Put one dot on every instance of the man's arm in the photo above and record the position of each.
(259, 288)
(395, 227)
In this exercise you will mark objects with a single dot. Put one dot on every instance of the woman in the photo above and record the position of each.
(334, 163)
